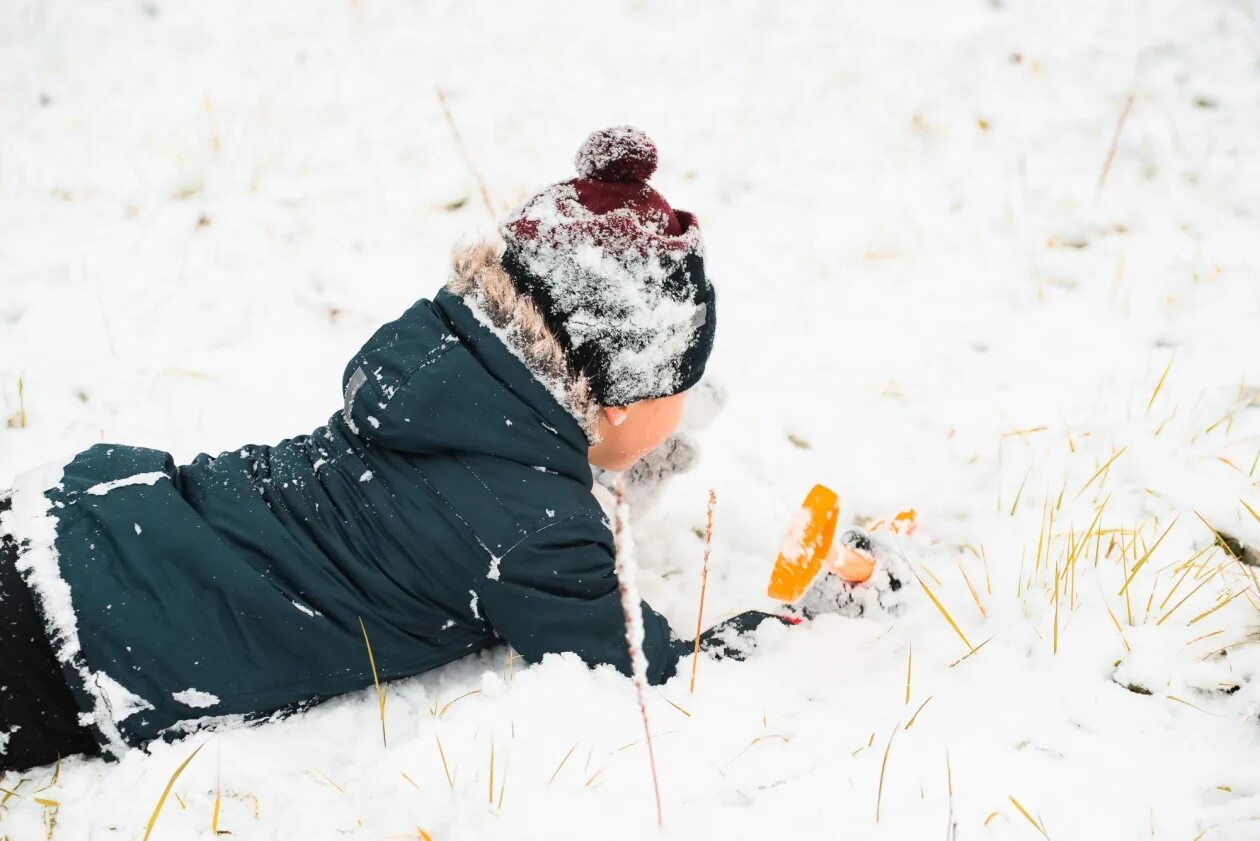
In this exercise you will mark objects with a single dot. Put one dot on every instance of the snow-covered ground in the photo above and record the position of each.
(929, 299)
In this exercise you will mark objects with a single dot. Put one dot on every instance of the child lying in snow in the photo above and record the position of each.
(448, 506)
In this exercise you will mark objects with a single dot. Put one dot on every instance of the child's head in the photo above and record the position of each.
(618, 277)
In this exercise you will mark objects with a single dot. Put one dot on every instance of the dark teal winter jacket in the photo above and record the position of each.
(448, 506)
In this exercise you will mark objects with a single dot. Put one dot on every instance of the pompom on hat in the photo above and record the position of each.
(617, 274)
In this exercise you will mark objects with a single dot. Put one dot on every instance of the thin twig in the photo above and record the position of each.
(704, 582)
(632, 609)
(1115, 141)
(463, 151)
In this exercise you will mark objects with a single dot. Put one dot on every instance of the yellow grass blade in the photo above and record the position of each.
(984, 614)
(1187, 596)
(1024, 812)
(1250, 510)
(1159, 385)
(910, 723)
(883, 768)
(909, 663)
(945, 613)
(675, 706)
(445, 768)
(1190, 705)
(556, 772)
(453, 701)
(1223, 542)
(1212, 610)
(975, 650)
(157, 810)
(1102, 470)
(1145, 557)
(214, 813)
(376, 681)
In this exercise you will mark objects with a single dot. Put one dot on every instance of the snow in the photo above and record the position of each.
(127, 481)
(925, 301)
(308, 611)
(195, 698)
(618, 153)
(120, 702)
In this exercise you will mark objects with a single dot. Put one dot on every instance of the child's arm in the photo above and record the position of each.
(557, 592)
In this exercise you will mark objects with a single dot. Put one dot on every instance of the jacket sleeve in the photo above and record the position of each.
(382, 393)
(558, 592)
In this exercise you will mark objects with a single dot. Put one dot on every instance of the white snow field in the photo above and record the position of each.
(930, 297)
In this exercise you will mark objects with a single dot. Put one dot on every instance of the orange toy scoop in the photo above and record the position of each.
(805, 546)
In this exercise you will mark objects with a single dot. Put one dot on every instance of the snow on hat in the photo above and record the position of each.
(617, 273)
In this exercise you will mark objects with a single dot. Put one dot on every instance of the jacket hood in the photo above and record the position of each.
(444, 377)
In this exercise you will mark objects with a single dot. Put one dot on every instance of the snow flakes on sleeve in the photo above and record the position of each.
(138, 479)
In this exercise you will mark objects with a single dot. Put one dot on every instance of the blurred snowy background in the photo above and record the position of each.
(935, 293)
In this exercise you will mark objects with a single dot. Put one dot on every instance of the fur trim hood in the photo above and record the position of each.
(478, 277)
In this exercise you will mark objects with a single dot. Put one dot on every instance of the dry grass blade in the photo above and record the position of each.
(1019, 493)
(1190, 705)
(910, 723)
(1187, 596)
(1100, 471)
(909, 664)
(446, 769)
(1159, 385)
(1218, 606)
(1236, 551)
(556, 772)
(218, 797)
(945, 613)
(166, 792)
(214, 813)
(376, 681)
(456, 700)
(1119, 628)
(975, 650)
(883, 769)
(704, 582)
(1250, 510)
(675, 706)
(1132, 573)
(502, 789)
(1055, 646)
(1025, 813)
(984, 614)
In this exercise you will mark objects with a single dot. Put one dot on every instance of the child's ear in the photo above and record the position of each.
(615, 415)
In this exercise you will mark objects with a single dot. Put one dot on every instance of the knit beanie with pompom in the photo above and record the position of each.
(617, 274)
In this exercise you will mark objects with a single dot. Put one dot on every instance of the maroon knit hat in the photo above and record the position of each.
(617, 273)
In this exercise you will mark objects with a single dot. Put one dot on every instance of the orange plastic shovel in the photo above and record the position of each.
(805, 546)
